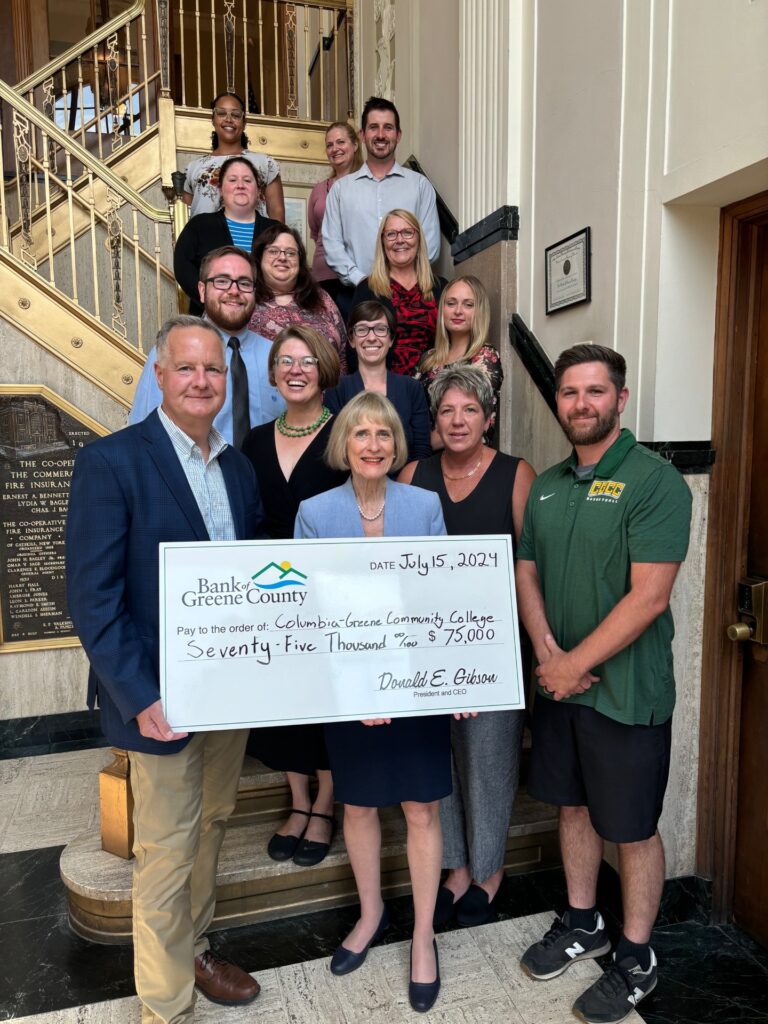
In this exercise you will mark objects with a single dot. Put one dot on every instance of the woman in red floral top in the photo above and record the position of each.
(463, 321)
(402, 279)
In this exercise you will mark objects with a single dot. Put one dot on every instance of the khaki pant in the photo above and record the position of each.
(181, 805)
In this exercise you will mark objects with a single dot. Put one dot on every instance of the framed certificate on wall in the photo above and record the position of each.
(567, 267)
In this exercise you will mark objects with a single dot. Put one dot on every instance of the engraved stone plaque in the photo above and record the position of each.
(40, 434)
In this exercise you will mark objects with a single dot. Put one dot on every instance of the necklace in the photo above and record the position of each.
(375, 516)
(463, 476)
(288, 431)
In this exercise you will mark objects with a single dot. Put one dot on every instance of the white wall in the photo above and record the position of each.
(717, 105)
(570, 159)
(642, 120)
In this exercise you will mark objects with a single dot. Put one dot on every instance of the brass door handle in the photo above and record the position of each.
(739, 631)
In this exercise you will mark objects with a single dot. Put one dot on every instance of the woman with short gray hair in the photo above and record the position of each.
(481, 491)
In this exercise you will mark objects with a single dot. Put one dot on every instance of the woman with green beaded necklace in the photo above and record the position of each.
(288, 456)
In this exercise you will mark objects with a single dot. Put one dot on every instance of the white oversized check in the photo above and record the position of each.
(265, 633)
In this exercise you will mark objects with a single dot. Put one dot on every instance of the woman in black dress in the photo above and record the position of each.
(287, 455)
(481, 491)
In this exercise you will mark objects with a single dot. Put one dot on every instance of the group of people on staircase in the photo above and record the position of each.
(356, 398)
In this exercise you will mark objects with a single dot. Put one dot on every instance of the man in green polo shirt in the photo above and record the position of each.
(604, 535)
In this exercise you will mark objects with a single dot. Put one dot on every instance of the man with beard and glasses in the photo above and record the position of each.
(604, 534)
(227, 292)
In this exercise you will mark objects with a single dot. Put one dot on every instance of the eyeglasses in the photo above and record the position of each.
(363, 330)
(274, 251)
(288, 362)
(406, 234)
(236, 115)
(222, 283)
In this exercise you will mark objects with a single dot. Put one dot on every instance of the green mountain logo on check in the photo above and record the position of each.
(274, 577)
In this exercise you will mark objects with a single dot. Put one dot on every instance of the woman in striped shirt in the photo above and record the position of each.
(238, 222)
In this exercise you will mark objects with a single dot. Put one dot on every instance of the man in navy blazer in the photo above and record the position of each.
(171, 477)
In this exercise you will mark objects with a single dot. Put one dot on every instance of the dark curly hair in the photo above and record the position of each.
(306, 294)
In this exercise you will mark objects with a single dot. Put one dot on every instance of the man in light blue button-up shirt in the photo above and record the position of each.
(229, 310)
(358, 202)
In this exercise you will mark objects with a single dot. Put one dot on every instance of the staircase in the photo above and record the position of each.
(88, 217)
(89, 145)
(251, 887)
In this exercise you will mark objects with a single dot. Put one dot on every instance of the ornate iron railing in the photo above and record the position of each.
(289, 60)
(103, 91)
(91, 237)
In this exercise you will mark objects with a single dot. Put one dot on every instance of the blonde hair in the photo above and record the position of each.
(378, 279)
(354, 138)
(478, 335)
(365, 405)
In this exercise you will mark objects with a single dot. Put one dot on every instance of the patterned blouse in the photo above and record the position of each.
(416, 323)
(269, 318)
(203, 180)
(488, 359)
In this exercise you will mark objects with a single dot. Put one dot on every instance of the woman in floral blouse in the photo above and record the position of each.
(286, 293)
(463, 322)
(228, 138)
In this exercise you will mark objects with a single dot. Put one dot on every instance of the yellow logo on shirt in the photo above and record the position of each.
(606, 489)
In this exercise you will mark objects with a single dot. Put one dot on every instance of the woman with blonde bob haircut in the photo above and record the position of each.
(372, 406)
(403, 761)
(402, 279)
(461, 339)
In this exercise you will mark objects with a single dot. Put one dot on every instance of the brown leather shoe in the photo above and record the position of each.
(223, 982)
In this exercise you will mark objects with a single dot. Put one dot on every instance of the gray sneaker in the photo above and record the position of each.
(617, 992)
(563, 946)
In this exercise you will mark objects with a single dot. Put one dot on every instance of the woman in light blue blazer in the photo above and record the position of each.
(406, 760)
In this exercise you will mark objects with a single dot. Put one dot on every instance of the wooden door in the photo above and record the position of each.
(750, 904)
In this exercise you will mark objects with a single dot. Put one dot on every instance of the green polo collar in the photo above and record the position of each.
(611, 460)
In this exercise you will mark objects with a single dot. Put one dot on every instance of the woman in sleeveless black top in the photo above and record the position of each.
(481, 491)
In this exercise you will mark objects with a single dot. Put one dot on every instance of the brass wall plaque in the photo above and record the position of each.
(40, 434)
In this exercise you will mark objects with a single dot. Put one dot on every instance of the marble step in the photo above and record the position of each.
(252, 887)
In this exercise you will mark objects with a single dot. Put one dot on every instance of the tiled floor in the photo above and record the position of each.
(482, 984)
(48, 800)
(707, 974)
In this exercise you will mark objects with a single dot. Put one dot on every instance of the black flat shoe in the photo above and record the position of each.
(309, 852)
(445, 908)
(422, 995)
(476, 908)
(283, 847)
(344, 961)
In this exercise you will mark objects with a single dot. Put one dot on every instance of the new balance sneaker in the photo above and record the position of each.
(563, 946)
(617, 992)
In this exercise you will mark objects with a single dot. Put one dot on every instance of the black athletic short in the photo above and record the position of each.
(580, 758)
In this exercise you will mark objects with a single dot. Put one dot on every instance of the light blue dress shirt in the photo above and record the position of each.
(205, 479)
(354, 210)
(264, 402)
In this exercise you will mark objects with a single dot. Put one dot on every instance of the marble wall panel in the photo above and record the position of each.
(48, 682)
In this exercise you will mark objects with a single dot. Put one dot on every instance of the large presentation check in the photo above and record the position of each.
(265, 633)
